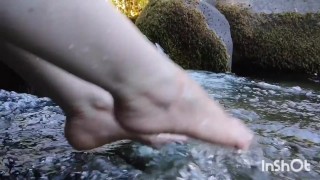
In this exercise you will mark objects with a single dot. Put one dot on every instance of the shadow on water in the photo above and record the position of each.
(284, 114)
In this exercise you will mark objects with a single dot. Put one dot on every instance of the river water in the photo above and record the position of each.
(284, 114)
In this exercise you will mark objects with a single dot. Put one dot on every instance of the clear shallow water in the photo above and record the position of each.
(285, 117)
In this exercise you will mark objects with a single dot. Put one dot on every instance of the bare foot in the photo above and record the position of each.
(90, 116)
(91, 124)
(182, 107)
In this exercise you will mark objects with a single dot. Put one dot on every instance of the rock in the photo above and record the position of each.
(181, 29)
(274, 35)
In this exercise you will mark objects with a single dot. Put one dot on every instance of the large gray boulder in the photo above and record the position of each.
(218, 23)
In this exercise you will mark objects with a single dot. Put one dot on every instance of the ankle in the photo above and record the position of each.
(92, 97)
(162, 88)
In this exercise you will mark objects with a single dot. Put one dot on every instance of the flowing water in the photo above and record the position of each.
(285, 116)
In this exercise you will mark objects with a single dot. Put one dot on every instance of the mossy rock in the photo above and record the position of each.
(181, 30)
(273, 42)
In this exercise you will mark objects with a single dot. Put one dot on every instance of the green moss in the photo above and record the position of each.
(288, 42)
(182, 32)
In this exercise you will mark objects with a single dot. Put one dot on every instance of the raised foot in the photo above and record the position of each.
(91, 124)
(182, 109)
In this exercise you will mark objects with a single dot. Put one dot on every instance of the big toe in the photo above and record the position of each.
(242, 136)
(227, 132)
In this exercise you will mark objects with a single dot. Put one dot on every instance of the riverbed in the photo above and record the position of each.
(283, 113)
